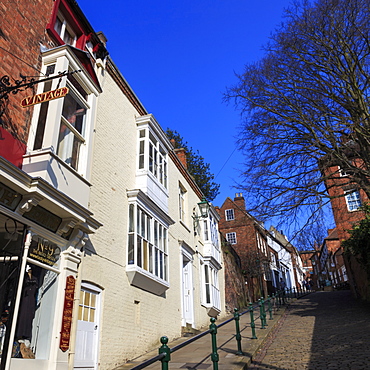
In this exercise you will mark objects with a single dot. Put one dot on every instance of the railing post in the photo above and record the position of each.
(264, 311)
(214, 355)
(238, 335)
(261, 313)
(269, 306)
(253, 325)
(166, 350)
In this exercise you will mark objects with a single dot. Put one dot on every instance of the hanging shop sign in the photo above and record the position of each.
(44, 251)
(65, 333)
(8, 197)
(44, 97)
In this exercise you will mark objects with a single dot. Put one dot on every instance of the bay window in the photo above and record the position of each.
(72, 126)
(152, 156)
(211, 292)
(147, 243)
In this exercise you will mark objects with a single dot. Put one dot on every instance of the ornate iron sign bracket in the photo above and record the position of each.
(25, 83)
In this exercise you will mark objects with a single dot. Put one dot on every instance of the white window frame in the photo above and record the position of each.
(182, 202)
(57, 60)
(65, 27)
(231, 237)
(152, 156)
(66, 152)
(147, 243)
(210, 285)
(229, 214)
(353, 200)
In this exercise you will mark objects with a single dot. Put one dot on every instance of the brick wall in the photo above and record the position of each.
(22, 28)
(246, 246)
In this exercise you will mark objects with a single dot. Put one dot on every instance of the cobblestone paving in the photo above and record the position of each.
(323, 331)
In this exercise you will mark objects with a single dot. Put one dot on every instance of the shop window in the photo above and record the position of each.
(36, 309)
(11, 242)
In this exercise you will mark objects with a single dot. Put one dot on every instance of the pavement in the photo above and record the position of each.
(319, 331)
(197, 355)
(322, 331)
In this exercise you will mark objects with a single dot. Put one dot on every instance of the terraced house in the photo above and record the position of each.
(105, 242)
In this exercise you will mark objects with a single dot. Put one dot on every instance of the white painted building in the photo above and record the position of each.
(282, 266)
(154, 267)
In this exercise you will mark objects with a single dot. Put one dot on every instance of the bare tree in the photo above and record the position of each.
(305, 107)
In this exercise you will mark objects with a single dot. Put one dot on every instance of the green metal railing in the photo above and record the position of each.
(272, 303)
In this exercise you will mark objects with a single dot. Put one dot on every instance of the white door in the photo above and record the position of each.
(86, 356)
(187, 292)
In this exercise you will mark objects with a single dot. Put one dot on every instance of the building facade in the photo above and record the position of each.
(248, 237)
(46, 135)
(154, 268)
(103, 246)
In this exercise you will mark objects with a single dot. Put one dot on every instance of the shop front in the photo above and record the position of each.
(42, 233)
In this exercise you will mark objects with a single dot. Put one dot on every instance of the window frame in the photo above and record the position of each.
(182, 203)
(152, 156)
(229, 214)
(147, 243)
(350, 200)
(63, 10)
(210, 296)
(234, 239)
(74, 132)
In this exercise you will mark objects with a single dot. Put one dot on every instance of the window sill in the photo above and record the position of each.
(145, 280)
(46, 164)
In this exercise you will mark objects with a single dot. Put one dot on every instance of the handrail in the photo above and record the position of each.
(280, 298)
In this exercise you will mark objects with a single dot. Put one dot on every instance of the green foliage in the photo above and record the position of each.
(358, 244)
(198, 169)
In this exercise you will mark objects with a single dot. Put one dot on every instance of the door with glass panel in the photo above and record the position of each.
(87, 328)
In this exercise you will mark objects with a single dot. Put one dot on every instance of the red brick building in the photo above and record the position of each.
(248, 237)
(346, 200)
(45, 159)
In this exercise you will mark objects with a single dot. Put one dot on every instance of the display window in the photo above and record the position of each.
(37, 301)
(11, 250)
(28, 286)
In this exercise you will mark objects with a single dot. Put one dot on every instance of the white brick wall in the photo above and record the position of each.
(132, 320)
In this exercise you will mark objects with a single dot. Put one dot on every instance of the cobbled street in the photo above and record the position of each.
(324, 330)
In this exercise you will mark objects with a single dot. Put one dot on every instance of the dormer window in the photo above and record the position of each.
(64, 30)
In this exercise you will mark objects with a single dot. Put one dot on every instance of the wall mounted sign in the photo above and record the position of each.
(65, 333)
(44, 97)
(44, 251)
(44, 218)
(8, 197)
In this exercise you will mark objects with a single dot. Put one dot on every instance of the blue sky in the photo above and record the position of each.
(179, 56)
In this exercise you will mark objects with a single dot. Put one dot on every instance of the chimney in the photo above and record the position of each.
(239, 200)
(102, 38)
(181, 154)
